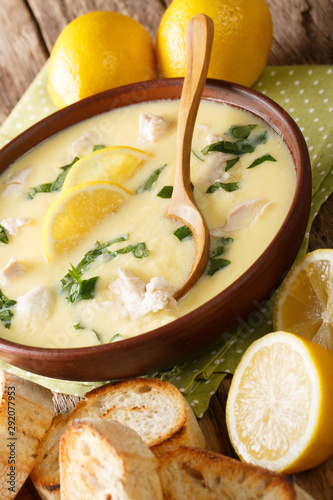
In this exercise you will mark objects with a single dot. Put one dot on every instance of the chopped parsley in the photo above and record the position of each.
(166, 192)
(240, 131)
(262, 159)
(56, 185)
(239, 147)
(215, 262)
(230, 186)
(3, 235)
(231, 163)
(97, 335)
(79, 289)
(5, 310)
(115, 338)
(150, 182)
(97, 147)
(196, 155)
(182, 232)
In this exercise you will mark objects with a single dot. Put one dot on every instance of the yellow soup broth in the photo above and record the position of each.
(243, 211)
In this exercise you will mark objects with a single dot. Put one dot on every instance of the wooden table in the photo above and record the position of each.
(302, 34)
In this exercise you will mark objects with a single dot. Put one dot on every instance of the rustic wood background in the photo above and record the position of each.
(302, 35)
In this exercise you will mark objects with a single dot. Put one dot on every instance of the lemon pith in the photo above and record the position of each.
(279, 409)
(76, 211)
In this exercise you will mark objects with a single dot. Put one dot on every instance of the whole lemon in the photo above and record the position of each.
(98, 51)
(242, 38)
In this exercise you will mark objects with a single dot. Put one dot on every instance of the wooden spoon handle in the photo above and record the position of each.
(199, 41)
(182, 206)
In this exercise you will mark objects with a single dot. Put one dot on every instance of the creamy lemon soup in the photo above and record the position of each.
(73, 272)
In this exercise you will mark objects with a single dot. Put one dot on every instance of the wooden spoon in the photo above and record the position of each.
(182, 206)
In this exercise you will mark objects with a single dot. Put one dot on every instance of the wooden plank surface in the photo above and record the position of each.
(302, 35)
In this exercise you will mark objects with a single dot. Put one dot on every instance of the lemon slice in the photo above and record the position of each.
(304, 303)
(76, 211)
(279, 408)
(113, 164)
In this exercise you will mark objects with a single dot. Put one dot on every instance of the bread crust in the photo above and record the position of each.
(202, 475)
(26, 412)
(155, 409)
(106, 459)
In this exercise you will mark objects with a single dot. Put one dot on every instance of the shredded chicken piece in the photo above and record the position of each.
(211, 139)
(139, 298)
(153, 127)
(12, 224)
(84, 144)
(36, 302)
(14, 184)
(215, 170)
(12, 269)
(241, 216)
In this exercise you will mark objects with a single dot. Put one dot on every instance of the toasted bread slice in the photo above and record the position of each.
(106, 459)
(202, 475)
(26, 412)
(156, 410)
(45, 475)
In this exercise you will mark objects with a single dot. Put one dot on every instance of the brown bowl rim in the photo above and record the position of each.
(300, 209)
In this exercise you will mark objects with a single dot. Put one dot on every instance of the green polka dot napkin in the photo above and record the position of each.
(306, 93)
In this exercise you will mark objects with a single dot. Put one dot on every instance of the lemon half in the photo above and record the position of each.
(280, 406)
(304, 303)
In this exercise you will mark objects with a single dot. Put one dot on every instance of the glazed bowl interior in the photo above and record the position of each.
(203, 327)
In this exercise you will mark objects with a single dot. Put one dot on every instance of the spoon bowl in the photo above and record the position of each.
(182, 206)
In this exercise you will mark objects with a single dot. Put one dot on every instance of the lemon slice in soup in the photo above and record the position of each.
(76, 211)
(113, 164)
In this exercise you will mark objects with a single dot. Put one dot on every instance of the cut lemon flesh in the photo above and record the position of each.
(304, 303)
(76, 211)
(279, 408)
(114, 164)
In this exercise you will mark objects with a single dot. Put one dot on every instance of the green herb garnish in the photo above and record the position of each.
(78, 326)
(5, 313)
(115, 338)
(237, 148)
(262, 159)
(78, 289)
(93, 254)
(182, 233)
(56, 185)
(230, 186)
(166, 192)
(3, 235)
(196, 155)
(97, 147)
(231, 163)
(139, 250)
(215, 262)
(240, 131)
(150, 182)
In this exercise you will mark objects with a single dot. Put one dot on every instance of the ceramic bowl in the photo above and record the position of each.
(203, 327)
